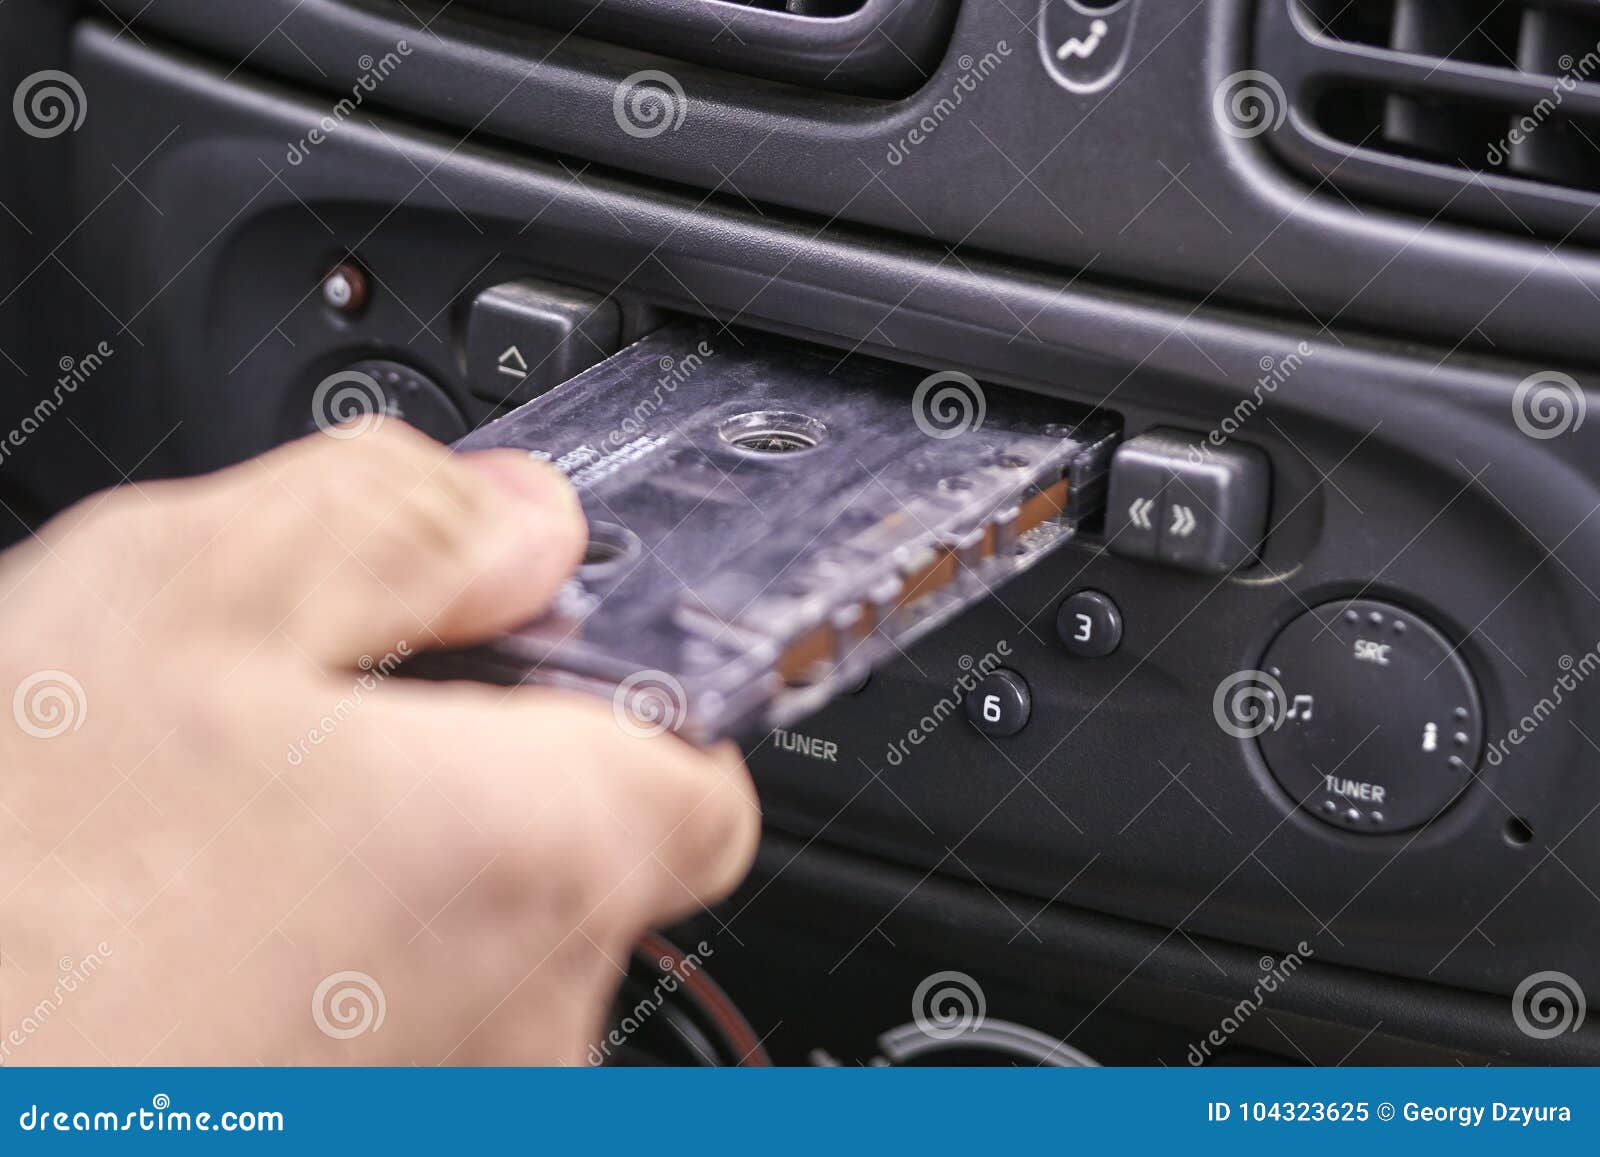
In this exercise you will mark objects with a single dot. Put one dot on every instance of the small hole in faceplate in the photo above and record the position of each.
(1518, 832)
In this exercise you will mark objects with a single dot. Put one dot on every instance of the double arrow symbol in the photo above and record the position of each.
(1183, 519)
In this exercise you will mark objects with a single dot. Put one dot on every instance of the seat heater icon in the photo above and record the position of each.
(1084, 48)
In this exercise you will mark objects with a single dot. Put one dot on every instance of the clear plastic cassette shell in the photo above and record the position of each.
(770, 520)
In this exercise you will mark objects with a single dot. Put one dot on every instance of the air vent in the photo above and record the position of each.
(884, 48)
(1487, 110)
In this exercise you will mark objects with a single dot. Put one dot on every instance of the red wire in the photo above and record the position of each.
(713, 1001)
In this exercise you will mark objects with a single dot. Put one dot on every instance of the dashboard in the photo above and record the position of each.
(1310, 708)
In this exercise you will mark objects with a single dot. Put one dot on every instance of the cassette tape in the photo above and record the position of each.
(770, 520)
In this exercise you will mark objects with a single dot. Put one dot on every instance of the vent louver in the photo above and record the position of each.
(1482, 109)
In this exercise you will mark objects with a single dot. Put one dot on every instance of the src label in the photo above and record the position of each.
(1369, 652)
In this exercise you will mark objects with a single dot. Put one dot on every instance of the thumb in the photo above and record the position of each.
(388, 537)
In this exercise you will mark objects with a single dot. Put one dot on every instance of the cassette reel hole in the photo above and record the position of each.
(773, 432)
(611, 547)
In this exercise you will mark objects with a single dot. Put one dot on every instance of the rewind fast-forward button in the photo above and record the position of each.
(1181, 499)
(1134, 513)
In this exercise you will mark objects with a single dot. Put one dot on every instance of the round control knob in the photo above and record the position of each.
(365, 390)
(1373, 722)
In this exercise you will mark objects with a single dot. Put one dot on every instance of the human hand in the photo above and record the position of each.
(230, 837)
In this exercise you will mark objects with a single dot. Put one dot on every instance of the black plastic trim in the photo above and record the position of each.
(1105, 962)
(882, 48)
(1239, 228)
